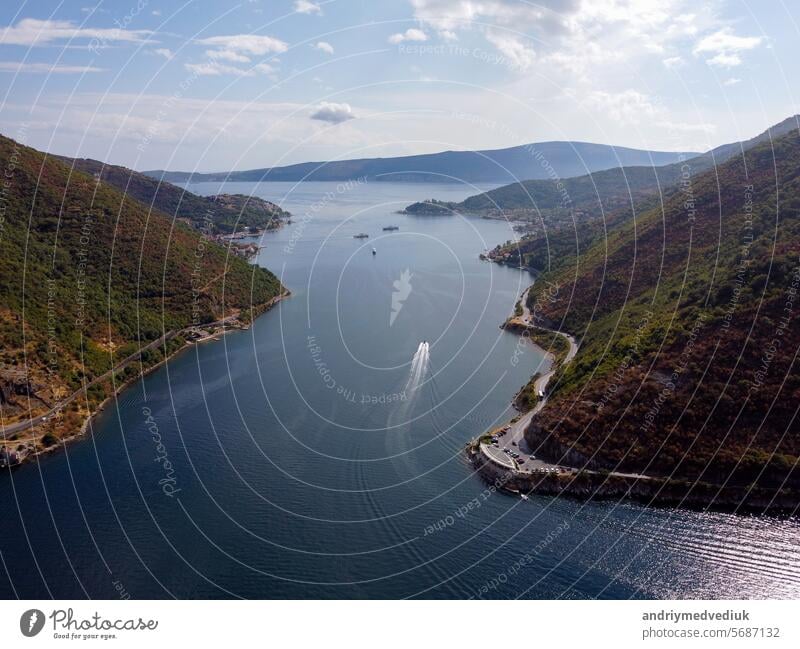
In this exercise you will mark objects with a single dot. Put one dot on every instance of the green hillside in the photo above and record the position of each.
(688, 322)
(91, 276)
(220, 214)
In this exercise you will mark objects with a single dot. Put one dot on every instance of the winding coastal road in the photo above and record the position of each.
(517, 432)
(540, 385)
(35, 421)
(40, 419)
(515, 437)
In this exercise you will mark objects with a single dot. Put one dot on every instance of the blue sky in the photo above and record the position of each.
(213, 86)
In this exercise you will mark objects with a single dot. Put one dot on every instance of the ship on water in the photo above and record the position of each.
(391, 227)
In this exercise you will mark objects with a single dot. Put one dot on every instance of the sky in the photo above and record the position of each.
(212, 86)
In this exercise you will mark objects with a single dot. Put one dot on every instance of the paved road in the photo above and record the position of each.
(35, 421)
(528, 320)
(498, 457)
(515, 438)
(540, 385)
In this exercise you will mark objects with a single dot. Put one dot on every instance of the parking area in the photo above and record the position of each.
(498, 457)
(503, 449)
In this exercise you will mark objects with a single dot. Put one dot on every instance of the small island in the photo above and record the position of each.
(431, 207)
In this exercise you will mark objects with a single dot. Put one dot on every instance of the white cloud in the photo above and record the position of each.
(673, 62)
(731, 82)
(247, 43)
(725, 41)
(237, 48)
(631, 108)
(158, 131)
(409, 35)
(46, 68)
(165, 52)
(725, 60)
(453, 14)
(306, 7)
(215, 69)
(324, 47)
(448, 35)
(584, 38)
(515, 52)
(32, 32)
(723, 48)
(263, 68)
(333, 113)
(227, 55)
(587, 41)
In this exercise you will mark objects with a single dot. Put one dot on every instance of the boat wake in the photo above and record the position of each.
(419, 367)
(399, 416)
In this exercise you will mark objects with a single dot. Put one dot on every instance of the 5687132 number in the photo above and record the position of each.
(755, 632)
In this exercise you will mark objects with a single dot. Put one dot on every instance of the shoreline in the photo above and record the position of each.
(89, 418)
(599, 486)
(589, 484)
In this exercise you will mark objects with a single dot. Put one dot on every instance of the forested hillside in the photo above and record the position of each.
(220, 214)
(90, 276)
(688, 317)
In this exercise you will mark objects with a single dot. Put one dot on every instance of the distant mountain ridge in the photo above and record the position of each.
(530, 161)
(608, 188)
(563, 218)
